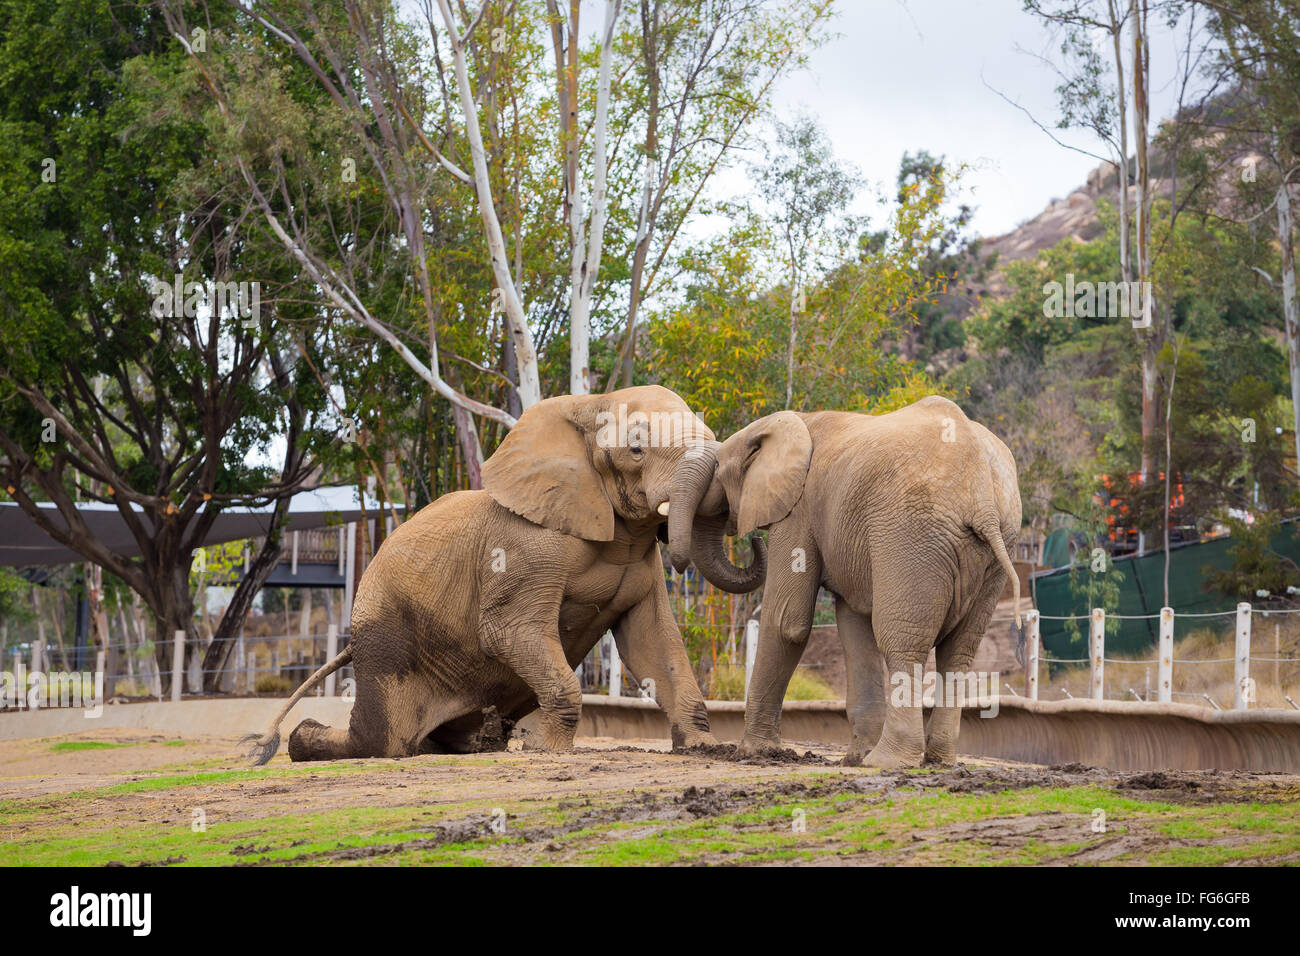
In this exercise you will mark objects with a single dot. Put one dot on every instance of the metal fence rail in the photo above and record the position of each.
(1244, 688)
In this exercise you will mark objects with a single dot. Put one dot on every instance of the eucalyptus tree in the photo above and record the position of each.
(529, 179)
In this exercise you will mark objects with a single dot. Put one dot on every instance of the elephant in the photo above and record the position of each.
(906, 518)
(476, 610)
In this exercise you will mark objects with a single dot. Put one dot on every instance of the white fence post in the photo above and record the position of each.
(349, 572)
(615, 668)
(1165, 666)
(1241, 695)
(331, 651)
(1097, 651)
(178, 664)
(751, 651)
(1031, 654)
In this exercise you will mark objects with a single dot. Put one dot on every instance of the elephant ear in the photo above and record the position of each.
(542, 471)
(774, 453)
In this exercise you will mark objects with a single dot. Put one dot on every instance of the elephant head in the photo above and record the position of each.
(573, 462)
(752, 480)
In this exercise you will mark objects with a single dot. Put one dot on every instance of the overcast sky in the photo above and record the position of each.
(912, 75)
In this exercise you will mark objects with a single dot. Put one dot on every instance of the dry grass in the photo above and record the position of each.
(728, 683)
(1271, 637)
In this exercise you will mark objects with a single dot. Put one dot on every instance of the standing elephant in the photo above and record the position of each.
(480, 606)
(906, 518)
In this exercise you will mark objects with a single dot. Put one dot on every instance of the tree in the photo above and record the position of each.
(809, 194)
(1259, 46)
(118, 385)
(462, 104)
(725, 346)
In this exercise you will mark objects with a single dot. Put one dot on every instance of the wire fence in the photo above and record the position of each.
(275, 665)
(1244, 688)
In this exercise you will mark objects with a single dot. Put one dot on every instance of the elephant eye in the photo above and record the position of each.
(636, 451)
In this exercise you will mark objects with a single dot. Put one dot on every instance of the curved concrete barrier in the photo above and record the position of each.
(1127, 735)
(1120, 735)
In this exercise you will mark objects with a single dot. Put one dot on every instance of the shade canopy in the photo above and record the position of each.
(23, 543)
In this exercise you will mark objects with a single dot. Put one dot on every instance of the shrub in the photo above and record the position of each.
(272, 684)
(729, 684)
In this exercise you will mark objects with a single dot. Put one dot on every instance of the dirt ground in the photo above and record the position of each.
(127, 797)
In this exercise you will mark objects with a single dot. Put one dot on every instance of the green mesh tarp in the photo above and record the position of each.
(1142, 592)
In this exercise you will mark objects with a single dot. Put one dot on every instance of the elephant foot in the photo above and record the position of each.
(758, 746)
(684, 740)
(890, 758)
(853, 759)
(941, 754)
(551, 738)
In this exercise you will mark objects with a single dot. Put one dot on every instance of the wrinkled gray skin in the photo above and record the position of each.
(907, 518)
(487, 600)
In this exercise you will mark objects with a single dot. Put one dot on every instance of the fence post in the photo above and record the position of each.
(751, 650)
(20, 680)
(1165, 672)
(331, 651)
(178, 664)
(615, 668)
(349, 573)
(1241, 667)
(1097, 651)
(1031, 654)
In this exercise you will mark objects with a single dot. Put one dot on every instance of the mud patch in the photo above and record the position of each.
(774, 758)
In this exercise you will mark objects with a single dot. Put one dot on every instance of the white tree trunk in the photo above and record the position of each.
(1290, 309)
(584, 261)
(530, 387)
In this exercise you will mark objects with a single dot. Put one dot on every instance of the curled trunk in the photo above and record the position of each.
(710, 555)
(697, 518)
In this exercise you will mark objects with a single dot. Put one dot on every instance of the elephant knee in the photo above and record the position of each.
(795, 631)
(563, 703)
(305, 741)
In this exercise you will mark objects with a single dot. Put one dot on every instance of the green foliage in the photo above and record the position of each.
(15, 600)
(724, 348)
(1256, 566)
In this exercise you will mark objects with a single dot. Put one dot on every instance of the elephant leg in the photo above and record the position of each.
(952, 660)
(908, 610)
(865, 668)
(789, 600)
(650, 643)
(538, 658)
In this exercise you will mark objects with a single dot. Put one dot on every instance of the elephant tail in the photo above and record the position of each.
(990, 529)
(262, 749)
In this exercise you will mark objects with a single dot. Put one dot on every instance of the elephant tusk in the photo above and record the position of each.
(663, 509)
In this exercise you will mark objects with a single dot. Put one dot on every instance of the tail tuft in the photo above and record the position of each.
(260, 749)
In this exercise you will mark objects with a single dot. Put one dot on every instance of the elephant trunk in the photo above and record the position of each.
(710, 556)
(691, 482)
(697, 518)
